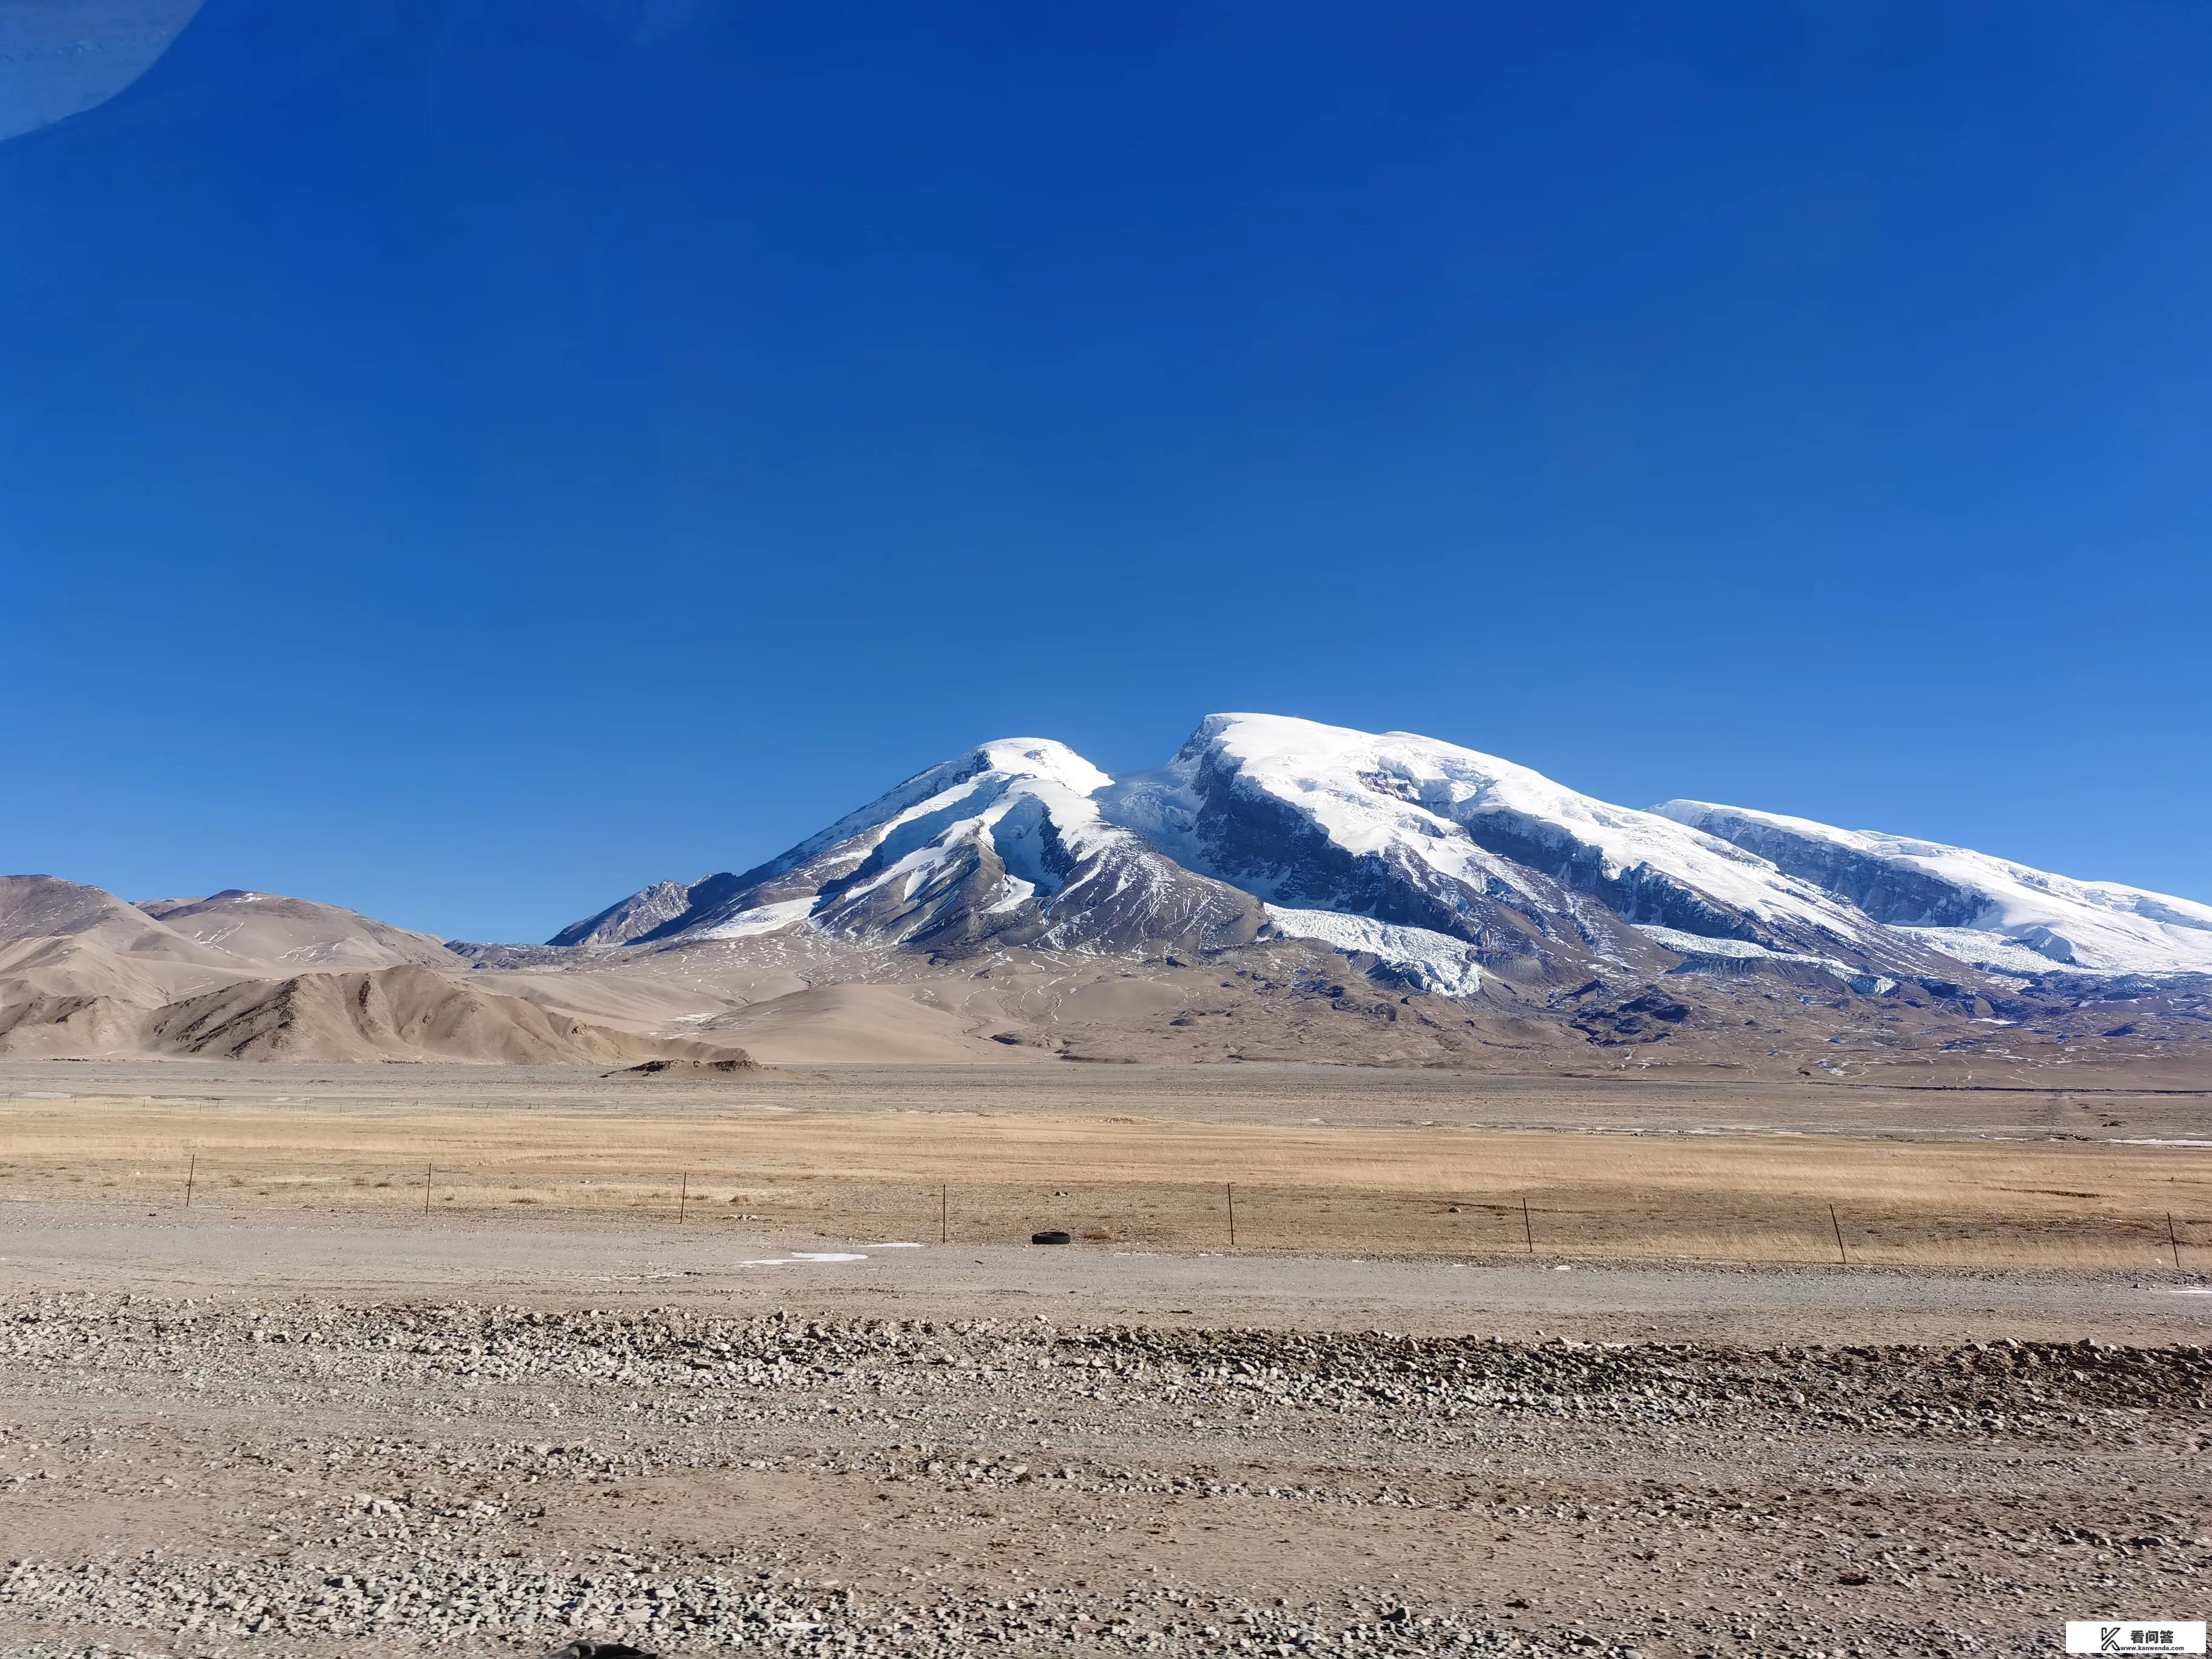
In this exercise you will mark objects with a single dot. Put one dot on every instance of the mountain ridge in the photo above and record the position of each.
(1402, 832)
(1279, 889)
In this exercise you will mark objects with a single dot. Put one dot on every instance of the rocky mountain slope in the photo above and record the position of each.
(234, 931)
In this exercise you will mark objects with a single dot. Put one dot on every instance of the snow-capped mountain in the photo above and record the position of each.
(1006, 846)
(1987, 911)
(1434, 862)
(1427, 834)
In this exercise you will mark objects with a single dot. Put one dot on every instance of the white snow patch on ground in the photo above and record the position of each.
(1017, 892)
(1436, 962)
(799, 1256)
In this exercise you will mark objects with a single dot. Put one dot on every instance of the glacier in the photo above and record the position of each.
(1972, 906)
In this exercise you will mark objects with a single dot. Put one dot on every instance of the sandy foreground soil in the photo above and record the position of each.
(303, 1417)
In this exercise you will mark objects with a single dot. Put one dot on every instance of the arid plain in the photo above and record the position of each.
(475, 1359)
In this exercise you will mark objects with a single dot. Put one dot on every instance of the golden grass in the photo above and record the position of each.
(1154, 1183)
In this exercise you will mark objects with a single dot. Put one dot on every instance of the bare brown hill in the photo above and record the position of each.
(407, 1012)
(48, 907)
(272, 927)
(71, 995)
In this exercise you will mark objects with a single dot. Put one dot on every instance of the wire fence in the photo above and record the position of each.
(1249, 1218)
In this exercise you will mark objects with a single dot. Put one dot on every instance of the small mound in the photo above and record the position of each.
(736, 1061)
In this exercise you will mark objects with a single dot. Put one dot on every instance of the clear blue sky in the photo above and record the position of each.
(466, 458)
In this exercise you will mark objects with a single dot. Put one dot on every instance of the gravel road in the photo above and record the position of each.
(274, 1470)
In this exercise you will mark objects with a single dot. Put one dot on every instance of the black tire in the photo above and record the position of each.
(1054, 1237)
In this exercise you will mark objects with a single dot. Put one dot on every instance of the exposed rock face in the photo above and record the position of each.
(1898, 894)
(635, 917)
(736, 1061)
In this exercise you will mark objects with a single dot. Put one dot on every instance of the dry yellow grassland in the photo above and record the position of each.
(1145, 1182)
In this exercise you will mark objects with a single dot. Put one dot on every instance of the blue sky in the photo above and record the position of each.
(466, 458)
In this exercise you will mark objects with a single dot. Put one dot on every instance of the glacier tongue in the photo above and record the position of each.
(1427, 961)
(1696, 948)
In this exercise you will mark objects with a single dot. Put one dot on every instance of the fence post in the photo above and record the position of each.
(2174, 1239)
(683, 1193)
(425, 1189)
(943, 1208)
(193, 1165)
(1838, 1227)
(1528, 1232)
(1230, 1187)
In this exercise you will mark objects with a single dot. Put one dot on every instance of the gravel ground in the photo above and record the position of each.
(573, 1262)
(285, 1474)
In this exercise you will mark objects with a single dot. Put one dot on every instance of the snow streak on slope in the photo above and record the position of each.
(1984, 910)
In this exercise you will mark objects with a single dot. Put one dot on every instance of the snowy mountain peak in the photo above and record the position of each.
(1005, 845)
(1043, 759)
(1414, 832)
(1988, 911)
